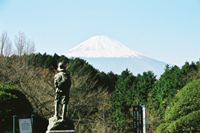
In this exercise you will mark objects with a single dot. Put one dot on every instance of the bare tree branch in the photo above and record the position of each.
(5, 45)
(24, 46)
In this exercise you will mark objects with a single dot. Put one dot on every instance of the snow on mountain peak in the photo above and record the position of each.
(102, 46)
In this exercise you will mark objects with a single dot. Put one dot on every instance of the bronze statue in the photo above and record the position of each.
(62, 84)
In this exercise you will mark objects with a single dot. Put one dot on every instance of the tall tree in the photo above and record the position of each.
(165, 89)
(24, 46)
(112, 81)
(6, 45)
(119, 110)
(143, 85)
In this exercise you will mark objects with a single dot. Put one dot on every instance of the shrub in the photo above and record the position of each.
(183, 114)
(12, 102)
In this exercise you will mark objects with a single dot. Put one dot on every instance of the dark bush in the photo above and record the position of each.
(12, 102)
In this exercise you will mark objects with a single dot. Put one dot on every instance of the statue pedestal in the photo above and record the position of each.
(57, 125)
(61, 131)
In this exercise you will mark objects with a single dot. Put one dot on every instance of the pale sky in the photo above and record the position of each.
(166, 30)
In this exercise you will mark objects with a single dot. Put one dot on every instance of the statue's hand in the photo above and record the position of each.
(58, 90)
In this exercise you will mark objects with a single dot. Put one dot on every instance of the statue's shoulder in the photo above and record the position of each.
(58, 74)
(62, 74)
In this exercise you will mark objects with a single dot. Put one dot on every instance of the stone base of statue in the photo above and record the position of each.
(61, 131)
(56, 124)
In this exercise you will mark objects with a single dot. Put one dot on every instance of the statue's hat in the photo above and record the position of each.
(61, 67)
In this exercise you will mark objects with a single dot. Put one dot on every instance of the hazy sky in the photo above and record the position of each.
(166, 30)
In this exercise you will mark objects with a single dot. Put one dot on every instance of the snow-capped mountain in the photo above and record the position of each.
(107, 54)
(102, 46)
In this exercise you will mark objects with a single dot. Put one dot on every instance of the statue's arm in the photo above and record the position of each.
(55, 82)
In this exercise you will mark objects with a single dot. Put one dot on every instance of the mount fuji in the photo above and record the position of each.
(107, 54)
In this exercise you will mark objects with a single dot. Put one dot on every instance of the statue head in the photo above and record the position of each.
(61, 66)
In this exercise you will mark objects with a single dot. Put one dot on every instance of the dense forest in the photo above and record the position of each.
(99, 102)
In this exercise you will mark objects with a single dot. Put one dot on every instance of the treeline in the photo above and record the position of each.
(33, 75)
(99, 102)
(127, 89)
(157, 95)
(75, 65)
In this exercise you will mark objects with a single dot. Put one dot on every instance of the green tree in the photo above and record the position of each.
(189, 72)
(143, 85)
(165, 89)
(50, 63)
(40, 59)
(119, 110)
(56, 57)
(103, 79)
(129, 90)
(183, 113)
(112, 81)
